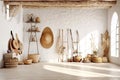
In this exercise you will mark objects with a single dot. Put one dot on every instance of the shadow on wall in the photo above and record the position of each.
(89, 43)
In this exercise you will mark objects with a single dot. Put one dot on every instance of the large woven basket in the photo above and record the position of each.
(35, 57)
(9, 63)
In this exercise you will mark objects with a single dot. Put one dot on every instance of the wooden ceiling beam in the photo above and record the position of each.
(52, 0)
(105, 4)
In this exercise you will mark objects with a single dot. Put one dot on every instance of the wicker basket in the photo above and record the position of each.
(9, 63)
(86, 60)
(70, 60)
(20, 63)
(27, 61)
(35, 57)
(97, 59)
(77, 58)
(11, 60)
(104, 59)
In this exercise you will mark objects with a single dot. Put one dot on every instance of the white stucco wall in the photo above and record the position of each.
(116, 8)
(5, 27)
(85, 21)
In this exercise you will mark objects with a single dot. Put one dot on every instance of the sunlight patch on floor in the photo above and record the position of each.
(77, 72)
(89, 66)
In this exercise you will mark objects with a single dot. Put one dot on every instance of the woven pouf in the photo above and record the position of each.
(77, 58)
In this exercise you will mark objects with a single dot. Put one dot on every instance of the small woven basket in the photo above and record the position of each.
(35, 57)
(97, 59)
(27, 61)
(104, 59)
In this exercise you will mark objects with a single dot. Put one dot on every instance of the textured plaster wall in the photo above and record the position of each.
(116, 8)
(5, 27)
(86, 21)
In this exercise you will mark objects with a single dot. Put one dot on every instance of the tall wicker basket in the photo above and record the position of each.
(9, 62)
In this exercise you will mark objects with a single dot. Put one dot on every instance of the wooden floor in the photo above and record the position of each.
(62, 71)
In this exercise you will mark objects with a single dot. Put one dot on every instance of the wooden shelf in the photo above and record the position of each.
(33, 41)
(33, 31)
(31, 22)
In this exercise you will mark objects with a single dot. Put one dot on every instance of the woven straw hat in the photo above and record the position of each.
(46, 39)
